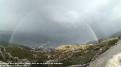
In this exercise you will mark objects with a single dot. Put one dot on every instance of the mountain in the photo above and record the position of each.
(43, 40)
(5, 36)
(116, 34)
(68, 54)
(37, 40)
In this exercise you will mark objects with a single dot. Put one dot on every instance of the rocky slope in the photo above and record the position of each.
(111, 58)
(7, 57)
(69, 55)
(82, 54)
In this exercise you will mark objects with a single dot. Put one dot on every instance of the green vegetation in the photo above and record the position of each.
(66, 54)
(19, 52)
(82, 55)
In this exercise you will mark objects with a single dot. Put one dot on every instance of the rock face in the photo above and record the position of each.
(115, 61)
(4, 55)
(111, 58)
(4, 64)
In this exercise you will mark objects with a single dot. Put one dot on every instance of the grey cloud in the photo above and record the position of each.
(61, 18)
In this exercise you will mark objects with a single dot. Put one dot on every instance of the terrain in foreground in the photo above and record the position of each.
(69, 55)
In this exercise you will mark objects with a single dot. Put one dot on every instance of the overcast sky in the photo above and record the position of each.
(55, 16)
(106, 13)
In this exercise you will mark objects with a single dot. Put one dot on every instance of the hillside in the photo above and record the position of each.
(67, 54)
(110, 58)
(82, 54)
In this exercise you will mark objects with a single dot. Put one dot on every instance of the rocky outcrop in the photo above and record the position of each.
(115, 61)
(4, 55)
(106, 59)
(4, 64)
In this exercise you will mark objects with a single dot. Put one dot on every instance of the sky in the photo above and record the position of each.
(100, 17)
(105, 13)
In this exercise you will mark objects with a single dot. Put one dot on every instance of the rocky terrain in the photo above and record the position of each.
(110, 58)
(73, 55)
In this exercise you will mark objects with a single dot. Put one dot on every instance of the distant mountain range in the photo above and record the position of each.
(39, 40)
(5, 36)
(32, 40)
(117, 34)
